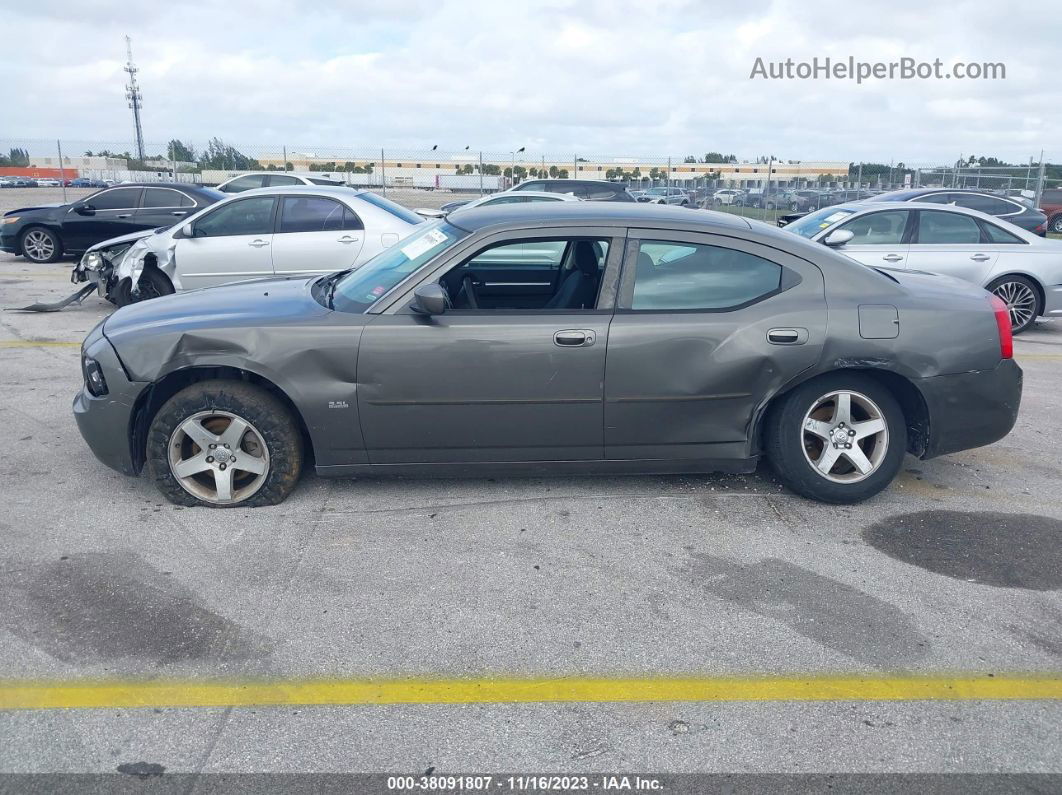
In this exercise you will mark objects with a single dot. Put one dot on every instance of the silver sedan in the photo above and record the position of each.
(1023, 269)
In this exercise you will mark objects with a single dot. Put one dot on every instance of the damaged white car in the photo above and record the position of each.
(289, 231)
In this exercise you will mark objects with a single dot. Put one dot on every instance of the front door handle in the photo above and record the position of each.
(574, 338)
(124, 215)
(892, 258)
(349, 239)
(179, 212)
(258, 243)
(787, 336)
(980, 258)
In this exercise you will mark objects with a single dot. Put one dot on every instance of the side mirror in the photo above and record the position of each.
(838, 238)
(430, 299)
(84, 209)
(182, 232)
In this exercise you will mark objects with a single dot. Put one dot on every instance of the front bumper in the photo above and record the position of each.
(971, 409)
(9, 243)
(107, 422)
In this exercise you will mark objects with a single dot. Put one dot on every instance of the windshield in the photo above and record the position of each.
(658, 191)
(813, 223)
(361, 288)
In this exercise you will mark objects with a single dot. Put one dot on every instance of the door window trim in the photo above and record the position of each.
(788, 279)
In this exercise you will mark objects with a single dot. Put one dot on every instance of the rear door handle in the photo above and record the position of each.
(179, 212)
(124, 215)
(892, 258)
(787, 336)
(574, 338)
(980, 257)
(258, 243)
(349, 239)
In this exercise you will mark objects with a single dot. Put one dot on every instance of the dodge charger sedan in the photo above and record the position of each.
(567, 337)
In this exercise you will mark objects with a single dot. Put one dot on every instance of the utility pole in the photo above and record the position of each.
(132, 93)
(1040, 181)
(481, 172)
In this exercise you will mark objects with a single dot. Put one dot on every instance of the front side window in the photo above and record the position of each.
(878, 228)
(362, 288)
(689, 276)
(941, 228)
(246, 182)
(252, 216)
(117, 199)
(315, 214)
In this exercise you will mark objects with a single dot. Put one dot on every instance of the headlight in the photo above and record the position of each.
(92, 261)
(94, 380)
(9, 219)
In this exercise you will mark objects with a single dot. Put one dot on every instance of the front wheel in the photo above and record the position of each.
(1022, 300)
(224, 443)
(41, 245)
(840, 438)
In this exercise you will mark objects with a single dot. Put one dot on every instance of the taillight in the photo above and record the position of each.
(1041, 229)
(1006, 336)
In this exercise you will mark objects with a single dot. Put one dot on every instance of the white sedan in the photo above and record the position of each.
(291, 231)
(1023, 269)
(505, 197)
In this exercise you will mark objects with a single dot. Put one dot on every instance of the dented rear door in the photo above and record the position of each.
(701, 337)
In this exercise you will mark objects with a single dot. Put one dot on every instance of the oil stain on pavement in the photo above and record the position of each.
(1007, 550)
(821, 609)
(107, 606)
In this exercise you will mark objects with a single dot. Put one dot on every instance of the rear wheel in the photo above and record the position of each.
(1056, 224)
(223, 444)
(840, 438)
(41, 245)
(1022, 300)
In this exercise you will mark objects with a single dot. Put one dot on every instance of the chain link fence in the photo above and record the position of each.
(762, 187)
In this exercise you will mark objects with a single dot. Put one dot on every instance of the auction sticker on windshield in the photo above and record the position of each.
(425, 243)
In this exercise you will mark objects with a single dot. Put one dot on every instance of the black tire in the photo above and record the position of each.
(1023, 316)
(785, 439)
(48, 249)
(267, 417)
(1056, 224)
(154, 284)
(122, 294)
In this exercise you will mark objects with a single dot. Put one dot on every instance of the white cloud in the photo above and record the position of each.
(558, 76)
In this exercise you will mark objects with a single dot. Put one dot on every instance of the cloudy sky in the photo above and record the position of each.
(606, 78)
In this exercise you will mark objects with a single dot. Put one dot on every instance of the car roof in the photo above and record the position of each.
(593, 214)
(303, 174)
(533, 193)
(335, 191)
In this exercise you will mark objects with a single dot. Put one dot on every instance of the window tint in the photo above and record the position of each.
(388, 206)
(543, 199)
(161, 197)
(986, 204)
(245, 183)
(531, 186)
(528, 254)
(947, 228)
(507, 200)
(878, 228)
(117, 199)
(999, 235)
(188, 201)
(600, 193)
(279, 179)
(937, 198)
(252, 216)
(315, 214)
(323, 181)
(693, 276)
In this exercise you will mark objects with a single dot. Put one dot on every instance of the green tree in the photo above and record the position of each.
(219, 155)
(176, 150)
(15, 157)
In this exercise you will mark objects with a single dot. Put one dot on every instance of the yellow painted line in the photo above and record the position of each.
(38, 344)
(119, 694)
(1042, 356)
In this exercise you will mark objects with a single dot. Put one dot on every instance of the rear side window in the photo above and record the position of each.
(987, 204)
(689, 276)
(998, 235)
(531, 186)
(161, 197)
(388, 206)
(947, 229)
(316, 214)
(280, 180)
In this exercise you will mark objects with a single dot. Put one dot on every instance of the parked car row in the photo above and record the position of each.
(52, 182)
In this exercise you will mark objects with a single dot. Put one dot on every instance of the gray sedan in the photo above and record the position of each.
(478, 345)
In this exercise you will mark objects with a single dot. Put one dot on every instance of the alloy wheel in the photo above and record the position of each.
(845, 436)
(38, 245)
(218, 457)
(1020, 301)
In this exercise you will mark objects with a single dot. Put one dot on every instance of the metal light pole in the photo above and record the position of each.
(62, 171)
(512, 177)
(481, 172)
(383, 173)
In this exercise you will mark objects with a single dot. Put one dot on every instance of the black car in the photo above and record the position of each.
(43, 234)
(587, 189)
(1008, 208)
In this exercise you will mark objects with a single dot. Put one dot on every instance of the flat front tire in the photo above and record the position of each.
(839, 438)
(223, 444)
